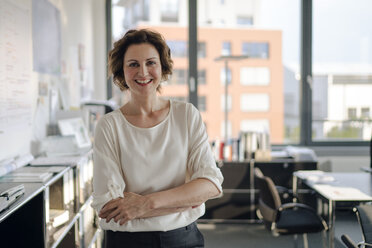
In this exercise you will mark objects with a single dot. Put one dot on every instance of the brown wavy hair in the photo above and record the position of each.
(133, 36)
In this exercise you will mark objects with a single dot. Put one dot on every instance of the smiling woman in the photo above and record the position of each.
(153, 166)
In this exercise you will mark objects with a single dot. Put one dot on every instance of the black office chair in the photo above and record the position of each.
(364, 215)
(284, 219)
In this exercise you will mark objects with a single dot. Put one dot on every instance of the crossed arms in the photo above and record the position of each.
(178, 199)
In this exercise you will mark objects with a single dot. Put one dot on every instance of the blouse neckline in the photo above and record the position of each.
(149, 128)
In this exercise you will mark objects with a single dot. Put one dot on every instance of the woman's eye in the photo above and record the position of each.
(151, 62)
(133, 64)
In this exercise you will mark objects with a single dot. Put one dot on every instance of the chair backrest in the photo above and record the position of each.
(364, 214)
(269, 200)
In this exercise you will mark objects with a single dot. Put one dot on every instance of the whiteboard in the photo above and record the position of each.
(15, 78)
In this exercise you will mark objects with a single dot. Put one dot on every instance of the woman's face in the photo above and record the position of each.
(142, 69)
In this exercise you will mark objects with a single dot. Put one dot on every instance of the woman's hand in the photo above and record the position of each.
(130, 207)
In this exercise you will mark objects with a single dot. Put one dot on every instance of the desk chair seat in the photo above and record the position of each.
(364, 216)
(285, 219)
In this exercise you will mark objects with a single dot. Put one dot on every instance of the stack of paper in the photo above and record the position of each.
(33, 177)
(341, 193)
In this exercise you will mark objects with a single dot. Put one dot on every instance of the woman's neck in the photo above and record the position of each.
(143, 106)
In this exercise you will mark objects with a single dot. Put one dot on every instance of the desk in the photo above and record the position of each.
(353, 188)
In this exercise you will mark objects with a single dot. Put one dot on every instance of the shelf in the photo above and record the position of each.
(67, 191)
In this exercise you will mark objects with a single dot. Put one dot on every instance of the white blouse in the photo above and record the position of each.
(146, 160)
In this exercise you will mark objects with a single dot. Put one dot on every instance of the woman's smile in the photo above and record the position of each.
(143, 82)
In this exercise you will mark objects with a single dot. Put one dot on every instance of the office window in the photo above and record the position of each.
(202, 50)
(254, 75)
(343, 73)
(178, 77)
(254, 102)
(169, 10)
(256, 49)
(202, 103)
(178, 48)
(229, 102)
(226, 48)
(244, 20)
(223, 76)
(202, 77)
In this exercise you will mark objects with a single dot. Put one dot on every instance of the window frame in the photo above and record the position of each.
(306, 84)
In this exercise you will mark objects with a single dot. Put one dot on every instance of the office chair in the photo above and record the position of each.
(289, 218)
(364, 215)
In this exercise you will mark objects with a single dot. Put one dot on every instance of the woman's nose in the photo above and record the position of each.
(143, 70)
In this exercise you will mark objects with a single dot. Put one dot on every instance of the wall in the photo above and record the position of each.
(82, 75)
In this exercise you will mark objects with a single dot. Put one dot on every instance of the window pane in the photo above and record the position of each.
(201, 50)
(254, 102)
(178, 77)
(226, 48)
(254, 75)
(256, 49)
(223, 76)
(269, 32)
(169, 10)
(202, 77)
(202, 103)
(342, 70)
(244, 20)
(178, 48)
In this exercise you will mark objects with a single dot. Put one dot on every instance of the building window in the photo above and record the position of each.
(202, 53)
(259, 102)
(254, 76)
(178, 77)
(229, 129)
(365, 113)
(202, 103)
(351, 113)
(202, 77)
(256, 49)
(178, 48)
(169, 10)
(223, 76)
(226, 48)
(244, 20)
(229, 102)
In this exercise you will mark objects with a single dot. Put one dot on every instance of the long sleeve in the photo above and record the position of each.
(108, 182)
(201, 163)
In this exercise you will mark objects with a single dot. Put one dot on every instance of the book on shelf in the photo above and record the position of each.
(58, 217)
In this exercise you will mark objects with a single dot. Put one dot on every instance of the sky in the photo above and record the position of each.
(342, 29)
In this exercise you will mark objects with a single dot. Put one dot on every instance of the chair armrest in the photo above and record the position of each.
(348, 242)
(292, 205)
(363, 245)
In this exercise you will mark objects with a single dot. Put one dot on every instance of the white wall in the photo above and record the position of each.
(82, 24)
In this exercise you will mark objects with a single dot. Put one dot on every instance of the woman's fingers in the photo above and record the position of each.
(109, 207)
(112, 215)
